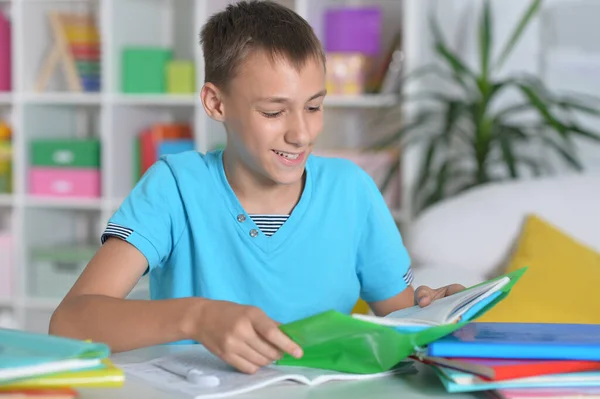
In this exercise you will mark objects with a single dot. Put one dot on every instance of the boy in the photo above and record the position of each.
(262, 233)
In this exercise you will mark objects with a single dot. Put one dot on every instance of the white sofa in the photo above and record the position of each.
(465, 239)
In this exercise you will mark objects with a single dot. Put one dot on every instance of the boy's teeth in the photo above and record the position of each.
(286, 155)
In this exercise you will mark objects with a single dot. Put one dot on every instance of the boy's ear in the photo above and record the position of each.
(212, 101)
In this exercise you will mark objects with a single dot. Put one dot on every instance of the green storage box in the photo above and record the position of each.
(68, 153)
(143, 69)
(180, 77)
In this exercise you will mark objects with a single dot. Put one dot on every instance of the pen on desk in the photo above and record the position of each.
(192, 375)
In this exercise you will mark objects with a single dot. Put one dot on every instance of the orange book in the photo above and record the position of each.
(49, 393)
(508, 369)
(151, 138)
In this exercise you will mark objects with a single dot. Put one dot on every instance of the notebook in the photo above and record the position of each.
(217, 379)
(108, 376)
(521, 341)
(26, 354)
(448, 310)
(458, 381)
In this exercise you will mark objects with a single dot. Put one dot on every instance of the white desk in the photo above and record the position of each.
(421, 385)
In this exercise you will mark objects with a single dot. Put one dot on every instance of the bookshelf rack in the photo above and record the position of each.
(115, 118)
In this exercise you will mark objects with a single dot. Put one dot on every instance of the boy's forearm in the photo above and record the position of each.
(126, 324)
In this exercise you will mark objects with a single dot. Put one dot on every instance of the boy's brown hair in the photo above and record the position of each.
(230, 35)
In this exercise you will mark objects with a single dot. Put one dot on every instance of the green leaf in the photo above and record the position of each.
(533, 8)
(485, 40)
(536, 101)
(459, 68)
(565, 154)
(507, 154)
(584, 133)
(572, 104)
(532, 164)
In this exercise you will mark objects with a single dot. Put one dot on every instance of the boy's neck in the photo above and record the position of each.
(258, 195)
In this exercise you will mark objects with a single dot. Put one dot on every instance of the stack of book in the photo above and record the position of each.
(519, 360)
(45, 366)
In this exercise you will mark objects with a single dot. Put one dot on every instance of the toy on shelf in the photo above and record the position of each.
(5, 53)
(352, 42)
(77, 48)
(65, 168)
(152, 70)
(347, 74)
(158, 140)
(6, 156)
(143, 69)
(180, 77)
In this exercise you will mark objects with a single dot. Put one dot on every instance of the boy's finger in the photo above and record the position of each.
(423, 295)
(254, 357)
(265, 348)
(271, 332)
(241, 364)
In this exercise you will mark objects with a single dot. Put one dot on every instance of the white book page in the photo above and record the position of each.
(230, 381)
(441, 311)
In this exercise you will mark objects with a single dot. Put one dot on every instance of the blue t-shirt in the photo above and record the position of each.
(339, 242)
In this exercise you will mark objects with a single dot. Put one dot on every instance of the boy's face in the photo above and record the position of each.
(273, 115)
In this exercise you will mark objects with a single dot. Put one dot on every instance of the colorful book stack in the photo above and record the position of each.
(158, 140)
(512, 360)
(44, 366)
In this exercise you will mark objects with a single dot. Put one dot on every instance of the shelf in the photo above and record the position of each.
(6, 98)
(156, 99)
(63, 203)
(63, 98)
(361, 101)
(7, 199)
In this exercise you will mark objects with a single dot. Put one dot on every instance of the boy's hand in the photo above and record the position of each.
(243, 336)
(425, 295)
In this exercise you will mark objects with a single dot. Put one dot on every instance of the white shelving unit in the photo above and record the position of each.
(116, 118)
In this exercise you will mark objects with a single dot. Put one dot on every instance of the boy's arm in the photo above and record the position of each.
(95, 307)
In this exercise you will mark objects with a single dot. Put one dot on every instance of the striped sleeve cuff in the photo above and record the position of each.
(408, 277)
(115, 230)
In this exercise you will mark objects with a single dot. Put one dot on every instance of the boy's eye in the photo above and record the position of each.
(271, 114)
(314, 109)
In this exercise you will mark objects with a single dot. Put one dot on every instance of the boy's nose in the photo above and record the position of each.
(298, 133)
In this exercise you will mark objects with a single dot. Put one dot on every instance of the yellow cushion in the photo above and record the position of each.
(361, 307)
(561, 283)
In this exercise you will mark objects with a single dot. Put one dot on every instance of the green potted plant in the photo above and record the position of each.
(467, 139)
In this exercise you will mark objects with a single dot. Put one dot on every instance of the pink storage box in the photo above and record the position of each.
(54, 182)
(6, 265)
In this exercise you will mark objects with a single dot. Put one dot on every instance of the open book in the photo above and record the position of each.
(448, 310)
(217, 379)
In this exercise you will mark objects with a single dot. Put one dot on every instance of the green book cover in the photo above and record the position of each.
(335, 341)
